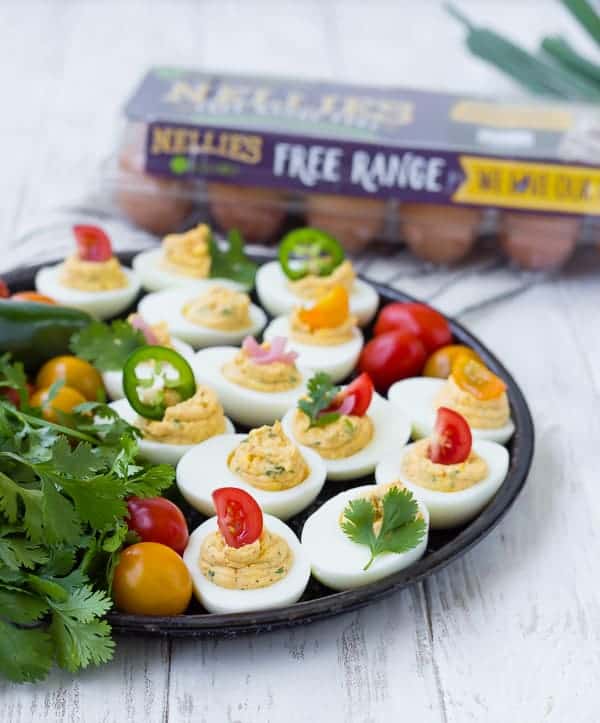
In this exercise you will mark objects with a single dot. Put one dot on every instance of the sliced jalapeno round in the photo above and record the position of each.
(309, 251)
(150, 373)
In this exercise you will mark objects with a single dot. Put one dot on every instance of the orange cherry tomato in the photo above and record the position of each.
(440, 363)
(329, 311)
(32, 296)
(65, 400)
(151, 579)
(77, 374)
(476, 379)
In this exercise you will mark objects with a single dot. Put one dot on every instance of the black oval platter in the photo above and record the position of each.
(319, 602)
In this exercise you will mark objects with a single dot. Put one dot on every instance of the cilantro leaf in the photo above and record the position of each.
(232, 262)
(21, 607)
(107, 346)
(25, 655)
(12, 376)
(17, 552)
(401, 527)
(321, 393)
(79, 636)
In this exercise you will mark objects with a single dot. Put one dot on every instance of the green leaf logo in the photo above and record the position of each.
(179, 165)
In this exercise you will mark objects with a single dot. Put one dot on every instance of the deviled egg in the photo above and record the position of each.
(351, 428)
(455, 477)
(331, 535)
(256, 383)
(310, 264)
(207, 313)
(91, 279)
(283, 477)
(325, 336)
(471, 389)
(163, 401)
(242, 560)
(155, 334)
(181, 259)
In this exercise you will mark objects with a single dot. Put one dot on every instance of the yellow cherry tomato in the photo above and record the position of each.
(151, 579)
(76, 373)
(329, 311)
(440, 363)
(64, 401)
(476, 379)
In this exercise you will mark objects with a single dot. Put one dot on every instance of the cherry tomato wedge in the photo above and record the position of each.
(356, 397)
(476, 379)
(329, 311)
(440, 363)
(32, 296)
(420, 319)
(77, 374)
(309, 251)
(239, 517)
(151, 579)
(392, 356)
(156, 519)
(451, 440)
(92, 243)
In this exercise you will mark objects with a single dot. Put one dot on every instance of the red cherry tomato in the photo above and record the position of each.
(420, 319)
(239, 517)
(92, 243)
(361, 393)
(4, 290)
(392, 356)
(156, 519)
(451, 440)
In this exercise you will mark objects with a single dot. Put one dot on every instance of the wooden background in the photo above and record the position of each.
(508, 633)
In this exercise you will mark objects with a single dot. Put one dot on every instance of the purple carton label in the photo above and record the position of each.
(383, 143)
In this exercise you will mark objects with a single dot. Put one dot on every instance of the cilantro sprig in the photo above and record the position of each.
(107, 346)
(321, 393)
(231, 262)
(401, 528)
(63, 499)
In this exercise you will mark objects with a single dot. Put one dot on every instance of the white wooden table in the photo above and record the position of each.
(510, 632)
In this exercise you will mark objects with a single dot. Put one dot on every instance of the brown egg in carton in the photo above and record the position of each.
(439, 234)
(536, 241)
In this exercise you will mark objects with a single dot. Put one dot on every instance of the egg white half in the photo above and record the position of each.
(415, 397)
(218, 599)
(204, 469)
(336, 560)
(337, 360)
(100, 304)
(157, 452)
(391, 430)
(249, 407)
(148, 266)
(113, 380)
(275, 295)
(450, 509)
(167, 306)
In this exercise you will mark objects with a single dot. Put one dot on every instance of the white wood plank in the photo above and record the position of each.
(515, 623)
(132, 688)
(372, 665)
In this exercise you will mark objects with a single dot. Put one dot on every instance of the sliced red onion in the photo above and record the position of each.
(347, 405)
(275, 353)
(138, 323)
